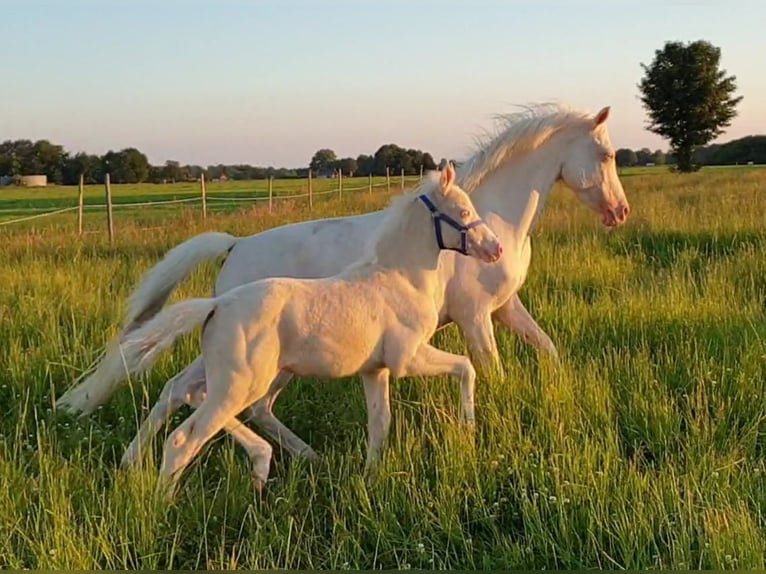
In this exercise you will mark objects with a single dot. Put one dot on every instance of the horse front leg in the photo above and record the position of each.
(429, 360)
(376, 393)
(480, 339)
(515, 316)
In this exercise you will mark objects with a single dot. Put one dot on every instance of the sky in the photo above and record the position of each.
(268, 82)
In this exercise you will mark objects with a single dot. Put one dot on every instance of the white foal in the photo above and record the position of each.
(375, 318)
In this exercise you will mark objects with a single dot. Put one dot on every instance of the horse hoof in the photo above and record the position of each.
(259, 484)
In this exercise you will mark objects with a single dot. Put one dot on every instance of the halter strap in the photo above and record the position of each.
(439, 217)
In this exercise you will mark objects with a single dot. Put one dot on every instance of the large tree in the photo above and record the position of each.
(323, 161)
(688, 97)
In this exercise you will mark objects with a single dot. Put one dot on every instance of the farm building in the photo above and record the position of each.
(34, 180)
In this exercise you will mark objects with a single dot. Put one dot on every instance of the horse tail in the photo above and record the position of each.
(136, 353)
(158, 283)
(145, 302)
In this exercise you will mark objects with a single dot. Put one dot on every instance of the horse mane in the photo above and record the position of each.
(394, 212)
(515, 134)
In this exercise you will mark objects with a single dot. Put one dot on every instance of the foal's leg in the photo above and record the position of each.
(257, 449)
(173, 396)
(429, 360)
(378, 414)
(482, 346)
(262, 415)
(191, 435)
(515, 316)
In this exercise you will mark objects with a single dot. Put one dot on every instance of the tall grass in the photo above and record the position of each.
(643, 448)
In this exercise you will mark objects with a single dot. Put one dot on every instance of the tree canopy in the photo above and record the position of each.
(689, 99)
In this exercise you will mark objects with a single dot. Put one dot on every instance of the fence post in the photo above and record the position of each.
(369, 183)
(203, 189)
(271, 192)
(80, 203)
(340, 183)
(402, 180)
(109, 219)
(421, 171)
(388, 179)
(311, 192)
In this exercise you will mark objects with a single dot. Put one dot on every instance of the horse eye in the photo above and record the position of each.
(607, 155)
(465, 213)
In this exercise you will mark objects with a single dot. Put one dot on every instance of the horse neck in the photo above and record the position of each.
(408, 244)
(507, 190)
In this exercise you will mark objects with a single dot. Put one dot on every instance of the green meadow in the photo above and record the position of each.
(643, 447)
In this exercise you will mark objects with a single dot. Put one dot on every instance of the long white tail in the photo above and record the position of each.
(145, 302)
(158, 283)
(136, 353)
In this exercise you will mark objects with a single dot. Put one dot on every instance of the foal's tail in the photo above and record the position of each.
(158, 283)
(145, 302)
(136, 353)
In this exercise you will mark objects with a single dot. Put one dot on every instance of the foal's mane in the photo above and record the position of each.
(515, 134)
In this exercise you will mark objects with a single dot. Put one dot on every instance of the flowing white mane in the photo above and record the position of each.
(516, 133)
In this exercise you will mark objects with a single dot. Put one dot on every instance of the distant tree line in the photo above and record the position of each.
(391, 156)
(129, 165)
(740, 151)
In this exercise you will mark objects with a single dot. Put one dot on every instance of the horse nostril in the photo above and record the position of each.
(499, 250)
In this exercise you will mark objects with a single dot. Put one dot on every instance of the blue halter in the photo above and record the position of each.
(438, 217)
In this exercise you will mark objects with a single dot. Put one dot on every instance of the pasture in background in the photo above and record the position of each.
(642, 449)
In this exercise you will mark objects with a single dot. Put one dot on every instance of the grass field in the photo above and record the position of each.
(643, 448)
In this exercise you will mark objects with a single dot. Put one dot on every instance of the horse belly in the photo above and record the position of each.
(333, 345)
(342, 357)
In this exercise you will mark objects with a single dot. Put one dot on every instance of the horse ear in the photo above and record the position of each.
(601, 117)
(447, 177)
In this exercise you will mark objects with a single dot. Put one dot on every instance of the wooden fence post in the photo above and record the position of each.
(421, 171)
(311, 193)
(203, 189)
(271, 192)
(340, 184)
(80, 203)
(402, 180)
(109, 219)
(388, 180)
(369, 183)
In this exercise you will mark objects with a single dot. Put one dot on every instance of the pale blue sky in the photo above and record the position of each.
(269, 82)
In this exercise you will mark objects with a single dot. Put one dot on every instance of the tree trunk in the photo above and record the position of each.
(684, 158)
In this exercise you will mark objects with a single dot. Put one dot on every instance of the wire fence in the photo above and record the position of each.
(34, 213)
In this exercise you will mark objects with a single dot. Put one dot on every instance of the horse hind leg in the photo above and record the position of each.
(258, 450)
(262, 415)
(232, 385)
(173, 396)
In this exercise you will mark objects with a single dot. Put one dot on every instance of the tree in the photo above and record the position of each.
(126, 166)
(323, 161)
(658, 157)
(428, 162)
(643, 156)
(82, 163)
(688, 98)
(347, 166)
(365, 165)
(172, 171)
(625, 157)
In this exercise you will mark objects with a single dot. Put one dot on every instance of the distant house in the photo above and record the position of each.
(34, 180)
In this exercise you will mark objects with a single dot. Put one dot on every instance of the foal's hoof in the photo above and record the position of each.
(166, 491)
